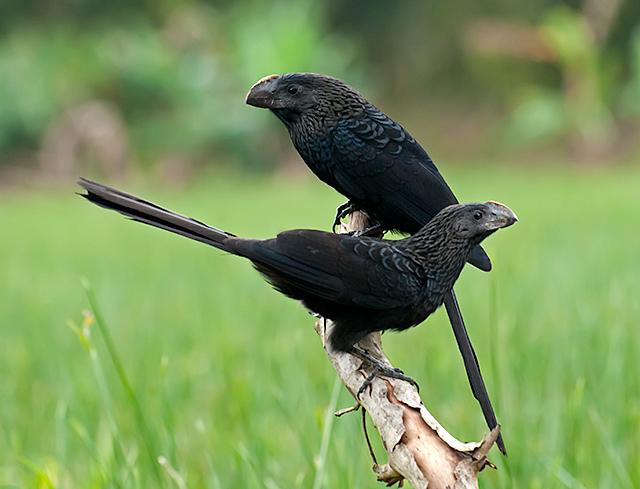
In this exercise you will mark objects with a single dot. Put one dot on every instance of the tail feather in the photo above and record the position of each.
(471, 364)
(148, 213)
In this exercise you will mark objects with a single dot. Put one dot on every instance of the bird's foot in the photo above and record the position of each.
(379, 370)
(342, 211)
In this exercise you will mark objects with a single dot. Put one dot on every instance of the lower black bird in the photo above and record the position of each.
(362, 284)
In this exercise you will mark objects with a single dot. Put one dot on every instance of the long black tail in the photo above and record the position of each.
(148, 213)
(471, 364)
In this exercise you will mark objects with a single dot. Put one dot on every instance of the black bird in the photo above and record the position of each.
(355, 148)
(362, 284)
(373, 161)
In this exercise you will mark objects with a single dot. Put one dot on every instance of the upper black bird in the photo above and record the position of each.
(358, 150)
(362, 284)
(372, 160)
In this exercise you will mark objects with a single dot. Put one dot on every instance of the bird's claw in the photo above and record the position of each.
(347, 208)
(379, 370)
(367, 382)
(384, 371)
(342, 211)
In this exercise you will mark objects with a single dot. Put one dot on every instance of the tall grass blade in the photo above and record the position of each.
(326, 434)
(117, 363)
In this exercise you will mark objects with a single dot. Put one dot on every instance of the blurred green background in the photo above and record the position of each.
(535, 104)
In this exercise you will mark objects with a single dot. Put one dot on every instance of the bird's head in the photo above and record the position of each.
(476, 221)
(297, 93)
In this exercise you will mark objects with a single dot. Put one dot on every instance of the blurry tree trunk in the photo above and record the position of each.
(573, 42)
(419, 449)
(92, 132)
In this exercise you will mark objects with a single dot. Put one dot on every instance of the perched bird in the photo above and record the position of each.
(355, 148)
(373, 161)
(362, 284)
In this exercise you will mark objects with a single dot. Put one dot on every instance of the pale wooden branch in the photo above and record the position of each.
(419, 449)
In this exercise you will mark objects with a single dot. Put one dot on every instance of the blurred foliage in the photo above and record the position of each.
(180, 87)
(178, 71)
(588, 76)
(630, 102)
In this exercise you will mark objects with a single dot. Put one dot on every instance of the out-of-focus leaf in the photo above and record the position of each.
(541, 115)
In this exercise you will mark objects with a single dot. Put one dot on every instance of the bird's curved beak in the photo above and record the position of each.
(504, 216)
(261, 94)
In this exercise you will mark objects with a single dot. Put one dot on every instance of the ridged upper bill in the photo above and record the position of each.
(259, 95)
(504, 212)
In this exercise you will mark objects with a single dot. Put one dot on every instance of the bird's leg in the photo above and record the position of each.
(342, 211)
(349, 208)
(379, 370)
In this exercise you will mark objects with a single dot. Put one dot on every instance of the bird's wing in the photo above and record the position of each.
(335, 268)
(391, 274)
(378, 161)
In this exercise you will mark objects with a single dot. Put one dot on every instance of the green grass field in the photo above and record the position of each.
(233, 385)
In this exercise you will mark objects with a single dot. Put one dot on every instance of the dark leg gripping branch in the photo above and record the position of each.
(379, 370)
(342, 211)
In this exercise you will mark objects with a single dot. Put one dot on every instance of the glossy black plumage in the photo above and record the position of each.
(373, 161)
(362, 284)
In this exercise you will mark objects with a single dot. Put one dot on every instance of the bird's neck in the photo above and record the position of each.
(441, 254)
(309, 135)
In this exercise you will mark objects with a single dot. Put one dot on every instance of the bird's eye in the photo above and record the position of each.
(293, 89)
(477, 215)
